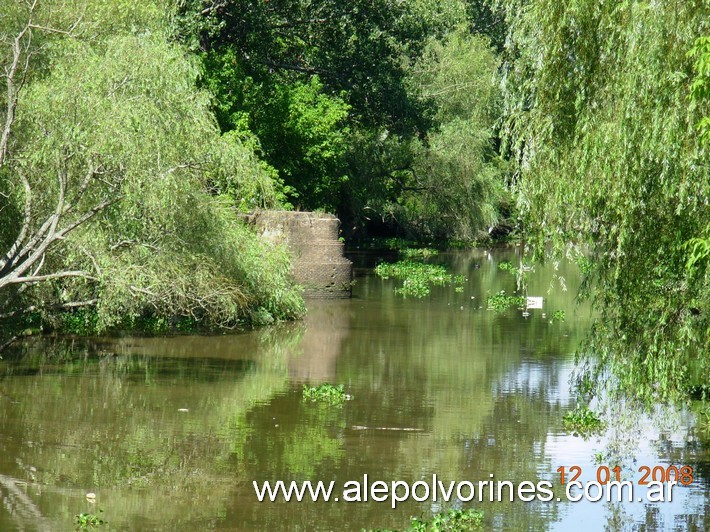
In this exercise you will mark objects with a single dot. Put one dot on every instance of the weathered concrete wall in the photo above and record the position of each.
(318, 262)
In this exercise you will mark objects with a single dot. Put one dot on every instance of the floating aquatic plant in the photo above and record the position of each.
(423, 253)
(88, 521)
(501, 302)
(558, 315)
(583, 422)
(325, 393)
(450, 521)
(417, 277)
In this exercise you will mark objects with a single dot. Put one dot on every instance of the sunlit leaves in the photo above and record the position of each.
(122, 99)
(610, 157)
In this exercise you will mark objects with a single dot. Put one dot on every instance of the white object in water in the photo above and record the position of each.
(534, 303)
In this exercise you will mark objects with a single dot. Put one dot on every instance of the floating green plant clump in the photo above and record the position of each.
(558, 315)
(446, 521)
(417, 277)
(507, 266)
(87, 521)
(501, 302)
(450, 521)
(418, 253)
(583, 422)
(325, 393)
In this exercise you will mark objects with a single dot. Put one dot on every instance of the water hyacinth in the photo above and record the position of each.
(417, 277)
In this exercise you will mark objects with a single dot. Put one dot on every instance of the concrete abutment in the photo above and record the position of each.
(318, 260)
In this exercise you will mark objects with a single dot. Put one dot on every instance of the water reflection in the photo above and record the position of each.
(170, 432)
(326, 328)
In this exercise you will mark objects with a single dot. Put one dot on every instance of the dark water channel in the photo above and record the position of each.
(169, 433)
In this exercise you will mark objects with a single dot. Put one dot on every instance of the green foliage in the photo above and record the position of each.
(453, 187)
(417, 277)
(558, 315)
(704, 420)
(418, 253)
(486, 21)
(458, 73)
(446, 521)
(81, 322)
(171, 248)
(583, 421)
(298, 76)
(325, 393)
(450, 521)
(355, 47)
(507, 266)
(88, 521)
(586, 266)
(501, 302)
(295, 125)
(698, 250)
(601, 112)
(700, 87)
(309, 145)
(382, 108)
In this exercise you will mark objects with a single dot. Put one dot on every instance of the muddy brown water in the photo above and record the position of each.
(170, 433)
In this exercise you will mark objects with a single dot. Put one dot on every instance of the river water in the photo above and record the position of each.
(170, 433)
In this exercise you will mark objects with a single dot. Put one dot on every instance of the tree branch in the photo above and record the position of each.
(8, 343)
(84, 185)
(87, 216)
(46, 277)
(13, 89)
(76, 304)
(25, 223)
(24, 260)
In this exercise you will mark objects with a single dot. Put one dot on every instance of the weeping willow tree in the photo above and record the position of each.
(455, 189)
(447, 182)
(604, 106)
(118, 193)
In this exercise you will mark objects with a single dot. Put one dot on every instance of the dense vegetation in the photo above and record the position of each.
(606, 108)
(117, 190)
(133, 134)
(382, 112)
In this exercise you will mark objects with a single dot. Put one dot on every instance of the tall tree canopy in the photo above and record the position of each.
(357, 46)
(331, 92)
(453, 187)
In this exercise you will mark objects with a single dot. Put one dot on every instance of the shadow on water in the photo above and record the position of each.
(171, 432)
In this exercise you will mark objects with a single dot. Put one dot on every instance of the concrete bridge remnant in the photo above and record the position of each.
(318, 262)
